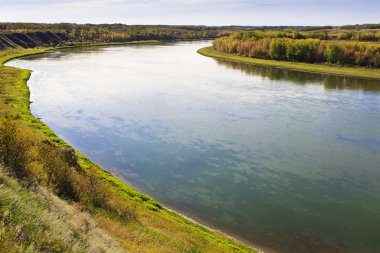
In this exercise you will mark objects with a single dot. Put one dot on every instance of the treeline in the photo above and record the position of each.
(88, 33)
(359, 35)
(363, 26)
(266, 45)
(34, 34)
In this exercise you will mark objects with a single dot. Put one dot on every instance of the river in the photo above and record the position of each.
(287, 160)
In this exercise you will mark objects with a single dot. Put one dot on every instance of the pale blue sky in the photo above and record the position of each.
(197, 12)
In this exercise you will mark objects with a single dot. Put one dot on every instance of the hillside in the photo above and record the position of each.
(27, 35)
(35, 219)
(31, 39)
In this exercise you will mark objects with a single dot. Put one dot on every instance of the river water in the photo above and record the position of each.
(289, 161)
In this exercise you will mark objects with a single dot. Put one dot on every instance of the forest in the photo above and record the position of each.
(310, 47)
(29, 35)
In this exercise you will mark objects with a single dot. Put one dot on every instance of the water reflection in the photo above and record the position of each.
(344, 83)
(297, 77)
(61, 54)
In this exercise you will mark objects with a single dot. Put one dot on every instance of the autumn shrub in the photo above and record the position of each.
(32, 160)
(281, 46)
(97, 193)
(13, 148)
(61, 177)
(69, 180)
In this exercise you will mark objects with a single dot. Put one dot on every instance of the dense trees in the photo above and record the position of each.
(120, 32)
(280, 46)
(84, 33)
(28, 35)
(356, 45)
(32, 35)
(332, 34)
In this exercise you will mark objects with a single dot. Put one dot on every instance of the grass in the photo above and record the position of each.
(305, 67)
(102, 212)
(35, 220)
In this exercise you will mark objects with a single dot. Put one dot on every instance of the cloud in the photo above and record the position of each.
(208, 12)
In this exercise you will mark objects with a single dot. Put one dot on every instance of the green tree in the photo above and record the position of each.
(333, 53)
(277, 49)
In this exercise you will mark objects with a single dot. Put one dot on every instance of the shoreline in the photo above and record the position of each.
(86, 162)
(194, 219)
(43, 50)
(373, 74)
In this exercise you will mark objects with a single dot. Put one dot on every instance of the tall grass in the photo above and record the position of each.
(35, 220)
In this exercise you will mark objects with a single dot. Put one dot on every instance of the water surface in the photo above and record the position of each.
(287, 160)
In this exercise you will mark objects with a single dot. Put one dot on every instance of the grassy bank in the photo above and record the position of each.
(306, 67)
(52, 198)
(35, 218)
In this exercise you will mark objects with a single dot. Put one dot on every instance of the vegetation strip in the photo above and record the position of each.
(299, 66)
(32, 153)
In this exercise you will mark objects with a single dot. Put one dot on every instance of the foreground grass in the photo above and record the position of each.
(306, 67)
(33, 219)
(115, 217)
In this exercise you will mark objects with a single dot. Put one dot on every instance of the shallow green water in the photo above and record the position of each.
(283, 159)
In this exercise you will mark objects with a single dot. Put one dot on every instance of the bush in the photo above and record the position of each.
(13, 149)
(277, 49)
(333, 52)
(282, 47)
(40, 161)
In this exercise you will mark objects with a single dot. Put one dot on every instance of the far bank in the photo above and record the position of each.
(304, 67)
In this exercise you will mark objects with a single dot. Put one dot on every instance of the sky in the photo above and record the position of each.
(193, 12)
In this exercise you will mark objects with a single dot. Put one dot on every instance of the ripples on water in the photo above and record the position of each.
(284, 159)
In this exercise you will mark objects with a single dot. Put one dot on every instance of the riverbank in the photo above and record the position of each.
(153, 228)
(305, 67)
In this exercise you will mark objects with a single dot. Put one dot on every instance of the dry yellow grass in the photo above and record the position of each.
(35, 219)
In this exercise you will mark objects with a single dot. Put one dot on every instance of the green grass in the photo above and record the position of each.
(155, 229)
(306, 67)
